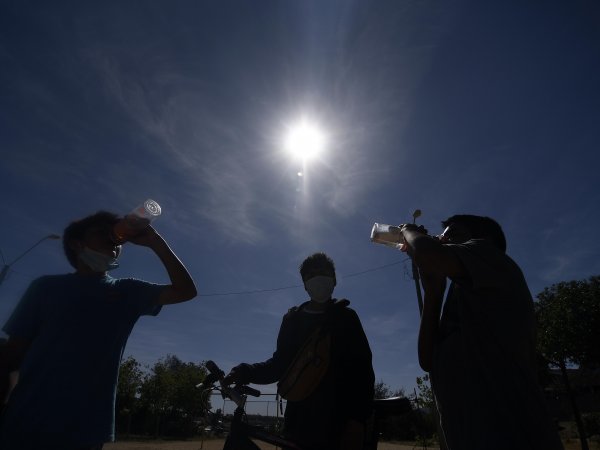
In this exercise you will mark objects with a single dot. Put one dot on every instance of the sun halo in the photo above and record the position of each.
(305, 140)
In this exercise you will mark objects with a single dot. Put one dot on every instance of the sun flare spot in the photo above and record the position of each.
(305, 140)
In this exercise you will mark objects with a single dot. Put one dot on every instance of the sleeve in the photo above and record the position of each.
(25, 321)
(358, 378)
(484, 264)
(144, 295)
(272, 370)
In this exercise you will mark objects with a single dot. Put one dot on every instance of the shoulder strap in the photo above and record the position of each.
(294, 309)
(336, 305)
(340, 303)
(332, 311)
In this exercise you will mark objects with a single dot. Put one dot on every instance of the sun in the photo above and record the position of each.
(305, 140)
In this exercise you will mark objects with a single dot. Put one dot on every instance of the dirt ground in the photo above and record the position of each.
(213, 444)
(217, 444)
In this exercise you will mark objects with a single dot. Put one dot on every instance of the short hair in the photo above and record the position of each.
(480, 227)
(319, 259)
(77, 229)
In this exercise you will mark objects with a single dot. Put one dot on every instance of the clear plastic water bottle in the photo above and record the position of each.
(134, 222)
(389, 235)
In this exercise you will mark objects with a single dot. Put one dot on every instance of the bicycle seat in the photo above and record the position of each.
(392, 406)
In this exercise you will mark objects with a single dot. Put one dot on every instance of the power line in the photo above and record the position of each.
(375, 268)
(215, 294)
(283, 288)
(295, 286)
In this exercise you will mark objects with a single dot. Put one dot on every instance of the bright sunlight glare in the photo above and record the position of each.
(305, 140)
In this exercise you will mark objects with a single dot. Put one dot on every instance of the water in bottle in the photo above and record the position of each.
(134, 222)
(389, 235)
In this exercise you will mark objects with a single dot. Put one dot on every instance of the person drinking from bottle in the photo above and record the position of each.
(480, 353)
(67, 336)
(323, 365)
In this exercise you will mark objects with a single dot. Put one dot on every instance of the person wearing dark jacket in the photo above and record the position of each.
(333, 415)
(479, 344)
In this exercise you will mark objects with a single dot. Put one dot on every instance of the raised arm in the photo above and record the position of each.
(430, 255)
(182, 287)
(434, 286)
(436, 262)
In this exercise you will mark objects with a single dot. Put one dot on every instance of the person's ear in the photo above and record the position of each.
(75, 245)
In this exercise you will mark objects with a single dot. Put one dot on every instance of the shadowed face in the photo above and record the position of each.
(318, 270)
(98, 238)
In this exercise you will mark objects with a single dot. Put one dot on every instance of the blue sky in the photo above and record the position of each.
(488, 108)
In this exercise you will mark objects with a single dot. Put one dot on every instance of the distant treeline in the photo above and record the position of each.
(162, 400)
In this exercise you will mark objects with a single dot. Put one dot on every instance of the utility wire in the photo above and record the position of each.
(257, 291)
(283, 288)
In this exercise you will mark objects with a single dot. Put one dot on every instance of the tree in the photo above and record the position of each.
(131, 378)
(424, 398)
(171, 399)
(382, 390)
(427, 423)
(568, 317)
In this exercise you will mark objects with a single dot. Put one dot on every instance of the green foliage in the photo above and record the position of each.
(568, 316)
(131, 378)
(382, 390)
(425, 423)
(424, 398)
(163, 401)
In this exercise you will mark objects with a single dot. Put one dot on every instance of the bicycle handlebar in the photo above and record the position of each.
(236, 393)
(214, 369)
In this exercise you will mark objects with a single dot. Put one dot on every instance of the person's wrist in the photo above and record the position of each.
(407, 232)
(156, 242)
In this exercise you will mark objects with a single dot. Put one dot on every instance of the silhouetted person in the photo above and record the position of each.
(67, 336)
(333, 416)
(481, 352)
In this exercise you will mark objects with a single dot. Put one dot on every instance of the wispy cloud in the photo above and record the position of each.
(205, 151)
(565, 255)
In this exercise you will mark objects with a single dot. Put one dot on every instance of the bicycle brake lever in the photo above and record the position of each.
(249, 391)
(234, 394)
(209, 380)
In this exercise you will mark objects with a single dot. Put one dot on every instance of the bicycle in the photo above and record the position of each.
(241, 432)
(382, 409)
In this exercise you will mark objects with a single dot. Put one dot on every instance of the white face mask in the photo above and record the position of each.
(98, 262)
(320, 288)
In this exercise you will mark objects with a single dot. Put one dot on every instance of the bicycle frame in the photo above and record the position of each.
(241, 433)
(383, 408)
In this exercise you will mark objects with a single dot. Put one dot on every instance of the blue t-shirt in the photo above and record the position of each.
(78, 326)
